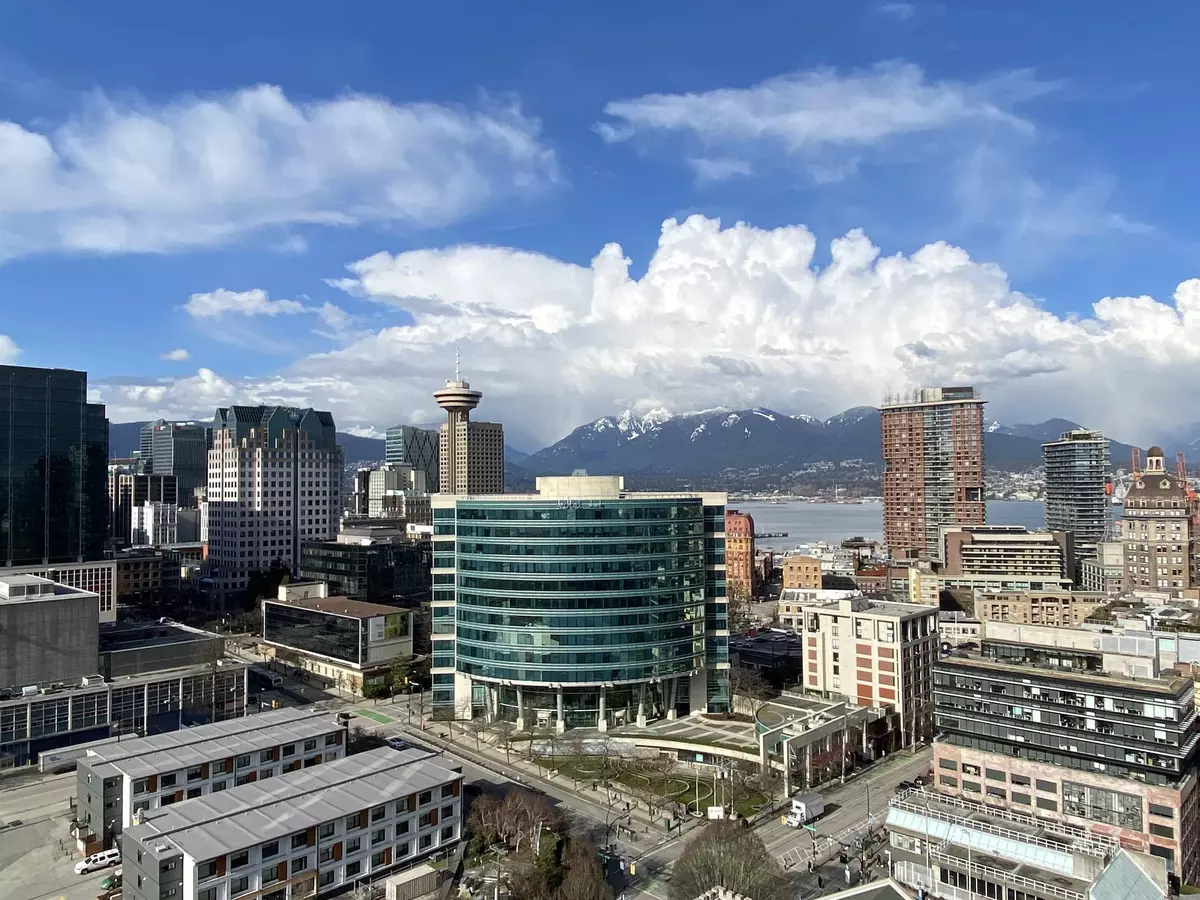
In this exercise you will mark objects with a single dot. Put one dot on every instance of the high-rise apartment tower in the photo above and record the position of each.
(274, 480)
(471, 453)
(932, 467)
(1077, 484)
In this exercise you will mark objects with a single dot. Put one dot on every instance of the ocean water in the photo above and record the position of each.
(831, 522)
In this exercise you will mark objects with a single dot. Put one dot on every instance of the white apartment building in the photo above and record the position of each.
(117, 781)
(274, 480)
(874, 654)
(299, 835)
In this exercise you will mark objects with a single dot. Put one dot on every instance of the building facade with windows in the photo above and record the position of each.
(180, 449)
(48, 632)
(470, 454)
(874, 653)
(302, 834)
(579, 604)
(801, 572)
(1048, 731)
(118, 781)
(739, 554)
(1078, 488)
(408, 445)
(1157, 529)
(274, 481)
(374, 569)
(348, 643)
(932, 467)
(1066, 609)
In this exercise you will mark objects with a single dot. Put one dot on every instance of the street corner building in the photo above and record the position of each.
(579, 605)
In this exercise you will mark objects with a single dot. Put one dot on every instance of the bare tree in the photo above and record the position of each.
(737, 606)
(340, 682)
(505, 732)
(725, 854)
(750, 687)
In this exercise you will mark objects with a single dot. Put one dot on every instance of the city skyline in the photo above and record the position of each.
(931, 195)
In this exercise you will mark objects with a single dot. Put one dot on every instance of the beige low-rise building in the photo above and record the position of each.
(1007, 551)
(801, 572)
(1060, 608)
(875, 654)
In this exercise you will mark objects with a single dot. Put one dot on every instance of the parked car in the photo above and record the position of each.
(904, 786)
(398, 743)
(98, 861)
(921, 781)
(112, 881)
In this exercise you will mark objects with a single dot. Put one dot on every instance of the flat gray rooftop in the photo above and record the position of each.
(173, 750)
(245, 816)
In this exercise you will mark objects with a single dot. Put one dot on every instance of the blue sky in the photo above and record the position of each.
(306, 205)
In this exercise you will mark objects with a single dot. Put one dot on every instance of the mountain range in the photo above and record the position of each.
(760, 441)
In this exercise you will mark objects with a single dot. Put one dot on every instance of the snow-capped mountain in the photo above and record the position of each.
(725, 440)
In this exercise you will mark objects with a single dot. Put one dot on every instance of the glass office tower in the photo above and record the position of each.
(53, 468)
(579, 605)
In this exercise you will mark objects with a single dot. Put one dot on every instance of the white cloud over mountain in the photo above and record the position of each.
(126, 176)
(734, 316)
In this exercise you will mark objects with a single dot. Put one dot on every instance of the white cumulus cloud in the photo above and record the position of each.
(9, 351)
(735, 316)
(178, 355)
(218, 303)
(201, 170)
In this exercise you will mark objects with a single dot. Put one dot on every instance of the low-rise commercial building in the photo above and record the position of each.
(119, 781)
(875, 653)
(1062, 733)
(99, 577)
(139, 577)
(1060, 608)
(801, 572)
(956, 627)
(48, 632)
(1007, 551)
(93, 708)
(348, 643)
(364, 564)
(301, 834)
(1105, 573)
(794, 601)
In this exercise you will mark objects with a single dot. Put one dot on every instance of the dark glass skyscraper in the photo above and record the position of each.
(181, 449)
(53, 468)
(408, 445)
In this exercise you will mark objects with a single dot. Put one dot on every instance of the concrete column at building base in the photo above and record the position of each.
(672, 689)
(602, 719)
(560, 724)
(520, 710)
(641, 716)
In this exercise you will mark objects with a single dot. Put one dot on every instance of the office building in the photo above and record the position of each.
(274, 481)
(129, 489)
(388, 568)
(408, 445)
(470, 454)
(1104, 573)
(392, 491)
(53, 462)
(932, 467)
(98, 577)
(739, 555)
(801, 572)
(525, 630)
(302, 834)
(874, 653)
(1065, 609)
(118, 781)
(155, 525)
(349, 644)
(1007, 551)
(180, 449)
(139, 576)
(1156, 528)
(48, 632)
(36, 726)
(1065, 733)
(1078, 499)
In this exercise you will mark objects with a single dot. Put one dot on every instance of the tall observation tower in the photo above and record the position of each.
(471, 454)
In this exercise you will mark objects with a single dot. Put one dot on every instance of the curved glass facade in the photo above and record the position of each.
(607, 592)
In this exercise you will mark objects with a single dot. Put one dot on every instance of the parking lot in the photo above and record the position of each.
(37, 852)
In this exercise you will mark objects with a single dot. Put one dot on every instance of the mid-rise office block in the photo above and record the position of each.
(739, 554)
(1105, 572)
(129, 489)
(119, 781)
(932, 467)
(99, 578)
(801, 572)
(181, 449)
(154, 525)
(1078, 470)
(1157, 528)
(348, 643)
(471, 454)
(48, 632)
(1007, 551)
(53, 464)
(408, 445)
(274, 481)
(1048, 731)
(579, 604)
(1065, 609)
(373, 569)
(874, 653)
(302, 834)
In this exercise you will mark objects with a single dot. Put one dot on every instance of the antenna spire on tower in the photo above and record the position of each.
(457, 374)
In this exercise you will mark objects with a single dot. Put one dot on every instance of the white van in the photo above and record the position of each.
(97, 861)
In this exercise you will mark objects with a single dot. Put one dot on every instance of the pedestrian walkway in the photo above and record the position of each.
(374, 716)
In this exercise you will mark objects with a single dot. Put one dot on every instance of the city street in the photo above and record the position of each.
(37, 855)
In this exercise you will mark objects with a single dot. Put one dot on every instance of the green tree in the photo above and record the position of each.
(727, 855)
(402, 666)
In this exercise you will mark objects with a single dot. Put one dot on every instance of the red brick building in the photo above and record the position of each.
(740, 570)
(932, 467)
